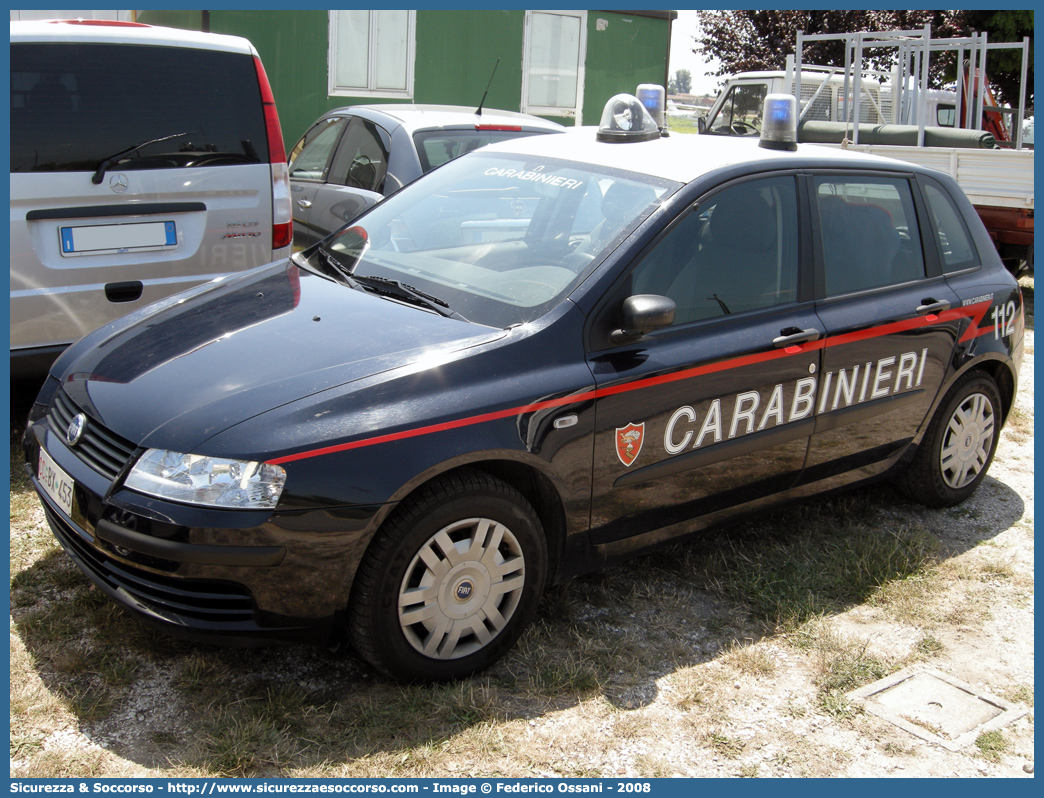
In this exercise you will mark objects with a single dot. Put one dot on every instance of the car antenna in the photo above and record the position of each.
(478, 112)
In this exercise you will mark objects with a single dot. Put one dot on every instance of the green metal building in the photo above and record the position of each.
(562, 65)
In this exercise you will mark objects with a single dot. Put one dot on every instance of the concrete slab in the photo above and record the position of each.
(935, 706)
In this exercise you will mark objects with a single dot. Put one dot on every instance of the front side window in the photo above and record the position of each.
(868, 232)
(310, 158)
(372, 53)
(553, 63)
(740, 113)
(736, 251)
(500, 239)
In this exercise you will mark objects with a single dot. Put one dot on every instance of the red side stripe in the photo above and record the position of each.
(974, 312)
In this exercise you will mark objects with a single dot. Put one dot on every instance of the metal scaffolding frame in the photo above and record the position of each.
(910, 75)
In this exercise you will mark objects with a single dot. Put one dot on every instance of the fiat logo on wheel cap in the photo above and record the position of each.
(464, 590)
(74, 431)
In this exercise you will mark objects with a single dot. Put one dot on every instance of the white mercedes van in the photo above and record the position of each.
(144, 160)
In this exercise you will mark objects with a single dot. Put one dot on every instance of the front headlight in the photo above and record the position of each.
(207, 481)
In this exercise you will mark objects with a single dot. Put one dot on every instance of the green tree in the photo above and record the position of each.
(681, 83)
(1004, 67)
(743, 41)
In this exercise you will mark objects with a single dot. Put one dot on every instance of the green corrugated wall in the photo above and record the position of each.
(456, 51)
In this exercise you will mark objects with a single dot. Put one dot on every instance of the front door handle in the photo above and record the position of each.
(303, 203)
(932, 306)
(791, 336)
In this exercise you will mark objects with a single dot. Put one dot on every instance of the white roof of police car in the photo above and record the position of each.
(51, 31)
(681, 157)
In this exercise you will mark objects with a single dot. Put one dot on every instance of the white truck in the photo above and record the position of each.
(997, 177)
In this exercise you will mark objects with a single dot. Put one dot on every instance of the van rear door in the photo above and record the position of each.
(137, 170)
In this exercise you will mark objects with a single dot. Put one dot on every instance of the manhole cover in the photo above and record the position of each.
(936, 707)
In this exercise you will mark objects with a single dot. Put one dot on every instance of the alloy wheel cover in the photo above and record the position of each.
(967, 441)
(461, 588)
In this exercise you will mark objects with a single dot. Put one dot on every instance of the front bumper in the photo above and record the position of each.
(227, 576)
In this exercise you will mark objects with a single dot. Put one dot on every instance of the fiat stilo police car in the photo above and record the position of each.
(543, 355)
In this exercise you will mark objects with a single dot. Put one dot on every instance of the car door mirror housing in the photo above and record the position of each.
(643, 314)
(701, 124)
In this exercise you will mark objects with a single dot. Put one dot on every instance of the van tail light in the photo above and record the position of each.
(282, 211)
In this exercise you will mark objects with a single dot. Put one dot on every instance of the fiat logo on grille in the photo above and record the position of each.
(74, 432)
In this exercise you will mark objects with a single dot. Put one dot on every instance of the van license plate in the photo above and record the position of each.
(98, 239)
(55, 482)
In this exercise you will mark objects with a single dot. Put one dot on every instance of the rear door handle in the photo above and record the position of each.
(791, 336)
(932, 306)
(303, 203)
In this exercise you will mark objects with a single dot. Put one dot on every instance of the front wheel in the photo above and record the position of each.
(959, 444)
(450, 581)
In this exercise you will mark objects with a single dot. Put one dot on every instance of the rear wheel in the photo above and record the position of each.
(450, 581)
(959, 445)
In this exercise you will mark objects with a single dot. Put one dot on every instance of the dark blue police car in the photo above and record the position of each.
(543, 355)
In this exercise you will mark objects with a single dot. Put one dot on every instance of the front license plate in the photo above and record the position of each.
(96, 239)
(55, 482)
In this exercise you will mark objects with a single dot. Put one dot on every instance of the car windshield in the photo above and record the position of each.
(497, 239)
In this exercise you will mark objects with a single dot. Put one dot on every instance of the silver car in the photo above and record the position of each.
(352, 157)
(136, 172)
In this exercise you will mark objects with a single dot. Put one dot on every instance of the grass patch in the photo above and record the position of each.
(834, 560)
(992, 745)
(895, 749)
(842, 665)
(750, 660)
(928, 646)
(1019, 424)
(692, 689)
(728, 747)
(678, 124)
(995, 569)
(1020, 695)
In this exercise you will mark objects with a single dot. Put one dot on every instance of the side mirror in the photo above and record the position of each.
(701, 124)
(643, 314)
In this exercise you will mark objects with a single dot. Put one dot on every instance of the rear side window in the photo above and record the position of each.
(868, 231)
(73, 105)
(311, 157)
(435, 147)
(955, 246)
(362, 159)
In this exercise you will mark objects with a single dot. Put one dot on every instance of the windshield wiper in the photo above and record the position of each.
(388, 287)
(397, 290)
(112, 160)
